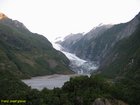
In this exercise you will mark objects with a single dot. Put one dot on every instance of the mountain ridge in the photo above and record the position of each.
(28, 54)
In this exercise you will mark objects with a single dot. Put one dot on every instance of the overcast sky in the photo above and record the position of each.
(54, 18)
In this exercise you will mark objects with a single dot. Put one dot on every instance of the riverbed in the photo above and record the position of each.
(50, 82)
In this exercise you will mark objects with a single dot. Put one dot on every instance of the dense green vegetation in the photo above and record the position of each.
(10, 86)
(78, 91)
(28, 54)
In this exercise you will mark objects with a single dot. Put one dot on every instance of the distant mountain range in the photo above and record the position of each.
(26, 54)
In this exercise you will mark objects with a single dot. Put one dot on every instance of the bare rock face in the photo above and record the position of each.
(71, 40)
(96, 31)
(101, 101)
(12, 23)
(2, 16)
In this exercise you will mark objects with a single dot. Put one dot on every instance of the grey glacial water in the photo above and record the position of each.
(49, 82)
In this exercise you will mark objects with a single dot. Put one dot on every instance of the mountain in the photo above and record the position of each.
(83, 47)
(27, 54)
(123, 59)
(122, 64)
(69, 40)
(124, 56)
(97, 43)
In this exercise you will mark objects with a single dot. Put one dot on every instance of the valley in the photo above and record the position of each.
(79, 66)
(101, 66)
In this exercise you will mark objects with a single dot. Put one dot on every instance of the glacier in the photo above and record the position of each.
(77, 64)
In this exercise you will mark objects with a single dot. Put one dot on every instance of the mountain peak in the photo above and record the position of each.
(2, 16)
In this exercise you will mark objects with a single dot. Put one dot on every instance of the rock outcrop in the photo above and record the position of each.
(101, 101)
(2, 16)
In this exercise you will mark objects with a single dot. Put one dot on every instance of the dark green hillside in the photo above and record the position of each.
(11, 87)
(28, 54)
(123, 65)
(124, 57)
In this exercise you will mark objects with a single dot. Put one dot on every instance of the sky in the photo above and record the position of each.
(53, 18)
